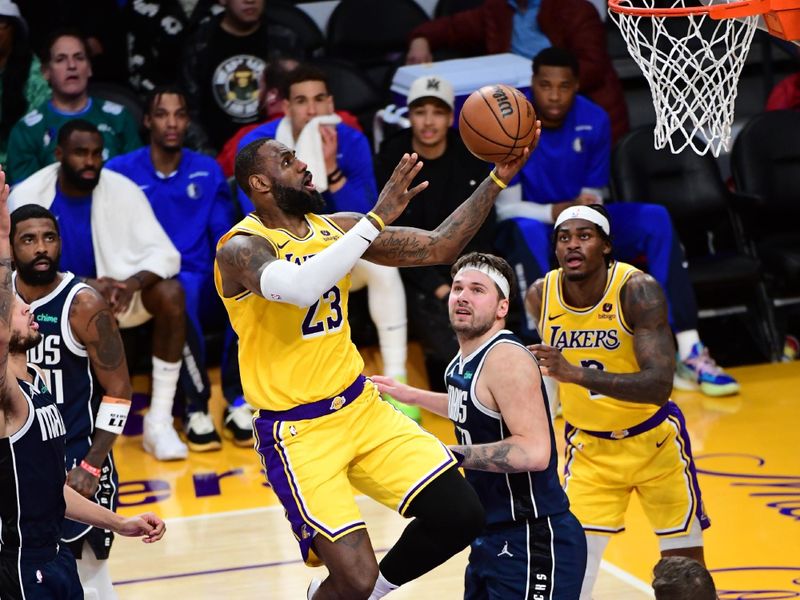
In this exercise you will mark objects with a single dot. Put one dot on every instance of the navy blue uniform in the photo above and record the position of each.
(533, 548)
(32, 507)
(68, 371)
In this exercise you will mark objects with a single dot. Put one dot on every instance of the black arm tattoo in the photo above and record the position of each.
(645, 309)
(406, 246)
(241, 260)
(6, 302)
(488, 457)
(108, 349)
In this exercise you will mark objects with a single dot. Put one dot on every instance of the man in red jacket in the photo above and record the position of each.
(525, 27)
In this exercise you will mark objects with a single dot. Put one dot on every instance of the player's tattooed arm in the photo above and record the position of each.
(95, 326)
(241, 261)
(409, 246)
(487, 457)
(645, 310)
(6, 299)
(6, 303)
(533, 301)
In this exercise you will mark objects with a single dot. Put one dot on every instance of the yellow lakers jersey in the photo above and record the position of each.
(290, 355)
(595, 337)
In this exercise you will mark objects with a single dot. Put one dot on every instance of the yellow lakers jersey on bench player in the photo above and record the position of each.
(290, 355)
(595, 337)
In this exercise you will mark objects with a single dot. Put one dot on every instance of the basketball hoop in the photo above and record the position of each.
(692, 57)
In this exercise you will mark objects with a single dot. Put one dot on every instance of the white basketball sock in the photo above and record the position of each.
(95, 577)
(382, 587)
(595, 546)
(686, 341)
(386, 299)
(165, 382)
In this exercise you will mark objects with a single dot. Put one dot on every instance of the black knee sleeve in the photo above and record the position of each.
(448, 516)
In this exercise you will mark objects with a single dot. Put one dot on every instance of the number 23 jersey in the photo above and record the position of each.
(291, 355)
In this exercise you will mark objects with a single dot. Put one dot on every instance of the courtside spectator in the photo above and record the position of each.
(67, 68)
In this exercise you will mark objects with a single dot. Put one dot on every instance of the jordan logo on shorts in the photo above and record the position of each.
(504, 551)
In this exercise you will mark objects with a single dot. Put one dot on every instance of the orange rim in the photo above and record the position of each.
(745, 8)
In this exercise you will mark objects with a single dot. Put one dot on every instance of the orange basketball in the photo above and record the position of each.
(497, 123)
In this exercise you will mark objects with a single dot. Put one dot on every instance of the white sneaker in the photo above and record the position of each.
(161, 440)
(238, 425)
(201, 436)
(313, 587)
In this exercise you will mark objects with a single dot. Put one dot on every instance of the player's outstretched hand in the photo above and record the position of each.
(553, 363)
(507, 170)
(147, 525)
(395, 195)
(399, 391)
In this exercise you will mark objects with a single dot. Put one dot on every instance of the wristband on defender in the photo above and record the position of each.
(112, 414)
(92, 470)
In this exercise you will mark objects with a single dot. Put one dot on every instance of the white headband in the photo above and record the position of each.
(492, 273)
(586, 213)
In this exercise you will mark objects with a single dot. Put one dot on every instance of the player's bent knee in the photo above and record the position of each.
(169, 297)
(464, 520)
(355, 584)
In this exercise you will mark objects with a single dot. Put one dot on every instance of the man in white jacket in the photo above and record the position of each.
(112, 240)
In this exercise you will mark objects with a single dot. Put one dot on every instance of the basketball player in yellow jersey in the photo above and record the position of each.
(283, 275)
(608, 344)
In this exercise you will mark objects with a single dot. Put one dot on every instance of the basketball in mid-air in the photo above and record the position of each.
(497, 123)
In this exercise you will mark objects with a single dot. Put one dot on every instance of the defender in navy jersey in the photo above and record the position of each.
(83, 361)
(33, 496)
(533, 547)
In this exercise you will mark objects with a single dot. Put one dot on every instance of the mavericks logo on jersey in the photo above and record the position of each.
(50, 422)
(583, 338)
(235, 86)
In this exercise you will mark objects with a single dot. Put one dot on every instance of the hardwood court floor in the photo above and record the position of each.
(227, 538)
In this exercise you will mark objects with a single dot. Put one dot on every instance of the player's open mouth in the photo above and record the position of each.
(41, 265)
(574, 260)
(463, 312)
(307, 181)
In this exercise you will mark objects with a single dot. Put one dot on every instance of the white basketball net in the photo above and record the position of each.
(692, 64)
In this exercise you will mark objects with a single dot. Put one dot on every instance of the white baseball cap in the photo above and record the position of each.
(10, 9)
(430, 86)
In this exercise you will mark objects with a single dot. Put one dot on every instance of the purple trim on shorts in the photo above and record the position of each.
(426, 480)
(320, 408)
(279, 474)
(569, 432)
(651, 422)
(675, 411)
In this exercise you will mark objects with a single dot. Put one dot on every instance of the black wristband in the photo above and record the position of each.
(335, 177)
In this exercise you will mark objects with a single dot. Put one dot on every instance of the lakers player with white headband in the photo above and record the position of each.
(607, 341)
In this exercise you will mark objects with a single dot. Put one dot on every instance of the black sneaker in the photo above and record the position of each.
(200, 433)
(239, 425)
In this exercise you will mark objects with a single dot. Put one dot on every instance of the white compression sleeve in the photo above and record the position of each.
(302, 285)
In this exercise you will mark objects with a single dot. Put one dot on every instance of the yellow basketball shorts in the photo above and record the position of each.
(315, 455)
(601, 474)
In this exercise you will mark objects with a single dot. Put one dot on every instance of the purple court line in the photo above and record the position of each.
(279, 563)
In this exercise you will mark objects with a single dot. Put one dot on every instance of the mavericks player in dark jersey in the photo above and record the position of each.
(33, 496)
(83, 361)
(533, 547)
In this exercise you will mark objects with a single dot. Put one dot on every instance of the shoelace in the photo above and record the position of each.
(242, 416)
(201, 423)
(703, 363)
